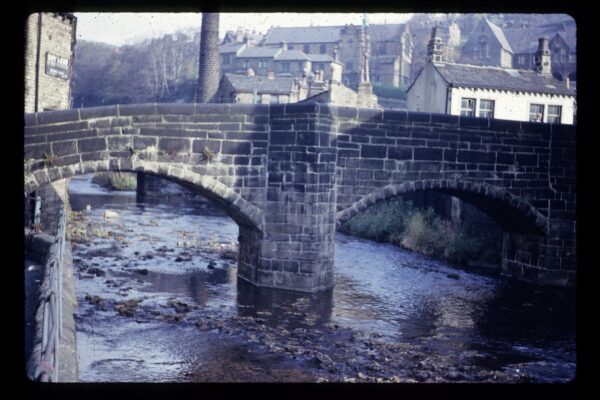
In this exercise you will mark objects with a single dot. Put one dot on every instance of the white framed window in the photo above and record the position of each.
(554, 114)
(536, 113)
(274, 99)
(285, 66)
(521, 60)
(486, 108)
(467, 107)
(572, 58)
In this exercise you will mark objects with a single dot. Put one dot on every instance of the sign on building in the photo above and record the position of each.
(57, 66)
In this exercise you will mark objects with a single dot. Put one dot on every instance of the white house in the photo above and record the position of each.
(491, 92)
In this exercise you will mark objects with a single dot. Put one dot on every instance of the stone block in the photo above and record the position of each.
(400, 153)
(89, 145)
(427, 154)
(53, 117)
(370, 151)
(173, 145)
(98, 112)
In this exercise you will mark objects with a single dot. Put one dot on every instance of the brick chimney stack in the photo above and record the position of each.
(208, 66)
(270, 75)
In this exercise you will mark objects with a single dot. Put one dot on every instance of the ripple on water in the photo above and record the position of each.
(403, 297)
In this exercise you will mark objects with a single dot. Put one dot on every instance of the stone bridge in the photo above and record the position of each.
(287, 174)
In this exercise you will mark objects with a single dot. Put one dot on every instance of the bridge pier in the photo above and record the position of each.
(298, 250)
(547, 260)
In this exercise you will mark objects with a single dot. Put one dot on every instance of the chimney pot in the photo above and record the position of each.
(250, 72)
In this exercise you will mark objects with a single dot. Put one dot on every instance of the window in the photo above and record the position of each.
(226, 59)
(486, 109)
(467, 107)
(306, 48)
(572, 58)
(274, 99)
(554, 114)
(262, 64)
(285, 66)
(245, 64)
(521, 60)
(536, 113)
(322, 49)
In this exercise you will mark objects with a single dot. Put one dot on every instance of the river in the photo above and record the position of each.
(159, 300)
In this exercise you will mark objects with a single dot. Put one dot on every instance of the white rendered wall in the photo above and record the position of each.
(428, 93)
(510, 105)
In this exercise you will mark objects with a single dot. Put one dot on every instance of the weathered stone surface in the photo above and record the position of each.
(287, 172)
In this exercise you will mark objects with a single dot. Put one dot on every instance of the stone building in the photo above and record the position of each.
(49, 48)
(228, 54)
(260, 59)
(389, 46)
(253, 89)
(242, 35)
(492, 92)
(50, 43)
(563, 60)
(487, 45)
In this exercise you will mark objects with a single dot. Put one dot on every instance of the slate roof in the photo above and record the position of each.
(486, 77)
(320, 58)
(525, 40)
(310, 34)
(247, 84)
(497, 31)
(230, 48)
(328, 34)
(291, 55)
(259, 52)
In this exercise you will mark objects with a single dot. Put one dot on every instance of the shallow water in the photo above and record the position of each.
(392, 316)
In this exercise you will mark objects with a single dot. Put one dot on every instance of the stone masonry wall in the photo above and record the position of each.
(57, 35)
(285, 173)
(526, 168)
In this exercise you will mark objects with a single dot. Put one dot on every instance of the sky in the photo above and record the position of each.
(129, 28)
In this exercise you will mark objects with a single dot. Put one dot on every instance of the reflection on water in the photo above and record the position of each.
(162, 252)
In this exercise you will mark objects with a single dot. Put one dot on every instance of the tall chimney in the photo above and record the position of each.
(542, 58)
(208, 65)
(568, 83)
(435, 46)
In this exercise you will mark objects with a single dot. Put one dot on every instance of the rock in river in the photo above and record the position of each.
(110, 214)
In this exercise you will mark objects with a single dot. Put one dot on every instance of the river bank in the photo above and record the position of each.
(474, 240)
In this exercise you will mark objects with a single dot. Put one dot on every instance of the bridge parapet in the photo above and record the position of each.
(285, 172)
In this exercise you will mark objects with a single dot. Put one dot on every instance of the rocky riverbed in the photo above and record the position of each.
(159, 301)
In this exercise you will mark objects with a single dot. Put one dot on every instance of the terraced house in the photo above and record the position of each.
(492, 92)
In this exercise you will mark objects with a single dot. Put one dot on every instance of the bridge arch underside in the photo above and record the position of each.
(249, 218)
(527, 250)
(511, 213)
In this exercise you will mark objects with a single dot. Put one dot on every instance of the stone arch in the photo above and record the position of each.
(240, 210)
(484, 196)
